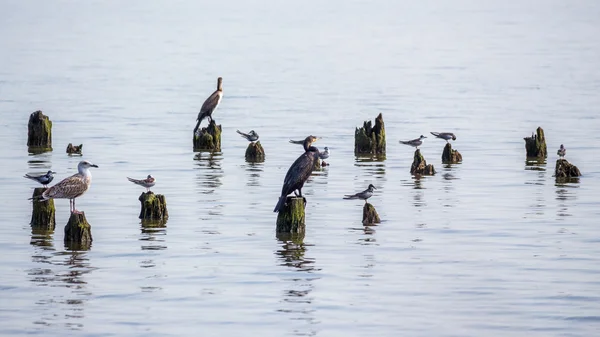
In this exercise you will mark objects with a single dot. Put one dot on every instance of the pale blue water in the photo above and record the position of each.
(491, 247)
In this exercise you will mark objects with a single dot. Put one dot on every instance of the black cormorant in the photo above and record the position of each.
(211, 104)
(299, 171)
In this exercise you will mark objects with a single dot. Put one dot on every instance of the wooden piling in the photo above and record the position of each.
(419, 165)
(43, 213)
(370, 140)
(78, 232)
(370, 215)
(74, 149)
(291, 217)
(209, 138)
(450, 156)
(39, 135)
(536, 144)
(564, 169)
(153, 206)
(255, 153)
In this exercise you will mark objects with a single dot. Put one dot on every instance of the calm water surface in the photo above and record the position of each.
(491, 247)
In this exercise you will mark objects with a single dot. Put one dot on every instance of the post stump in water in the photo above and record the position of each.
(74, 149)
(255, 152)
(291, 216)
(420, 167)
(450, 156)
(564, 169)
(78, 232)
(39, 135)
(154, 206)
(43, 212)
(209, 138)
(536, 144)
(370, 215)
(370, 140)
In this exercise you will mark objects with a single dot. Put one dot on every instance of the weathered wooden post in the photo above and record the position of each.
(74, 149)
(370, 215)
(450, 156)
(255, 153)
(370, 140)
(420, 167)
(43, 213)
(78, 232)
(291, 218)
(536, 144)
(209, 138)
(564, 169)
(153, 206)
(39, 135)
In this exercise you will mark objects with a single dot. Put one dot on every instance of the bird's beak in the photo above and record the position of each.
(374, 187)
(53, 172)
(94, 165)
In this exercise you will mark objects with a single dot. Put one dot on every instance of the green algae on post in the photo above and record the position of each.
(370, 140)
(43, 213)
(209, 138)
(78, 231)
(39, 135)
(536, 144)
(291, 217)
(564, 169)
(419, 165)
(153, 206)
(450, 156)
(255, 152)
(370, 215)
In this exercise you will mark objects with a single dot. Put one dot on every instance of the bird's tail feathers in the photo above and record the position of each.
(435, 133)
(349, 197)
(280, 204)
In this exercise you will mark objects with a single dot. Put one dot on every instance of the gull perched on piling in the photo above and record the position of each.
(147, 183)
(444, 135)
(72, 187)
(364, 195)
(211, 104)
(44, 179)
(561, 151)
(415, 142)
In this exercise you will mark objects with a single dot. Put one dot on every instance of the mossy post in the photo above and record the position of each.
(450, 156)
(370, 215)
(43, 214)
(154, 206)
(291, 216)
(255, 152)
(209, 138)
(564, 169)
(39, 135)
(536, 144)
(420, 167)
(78, 232)
(74, 149)
(370, 140)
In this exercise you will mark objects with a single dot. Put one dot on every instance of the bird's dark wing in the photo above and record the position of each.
(209, 104)
(298, 172)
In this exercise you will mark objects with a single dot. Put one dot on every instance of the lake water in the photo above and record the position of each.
(490, 247)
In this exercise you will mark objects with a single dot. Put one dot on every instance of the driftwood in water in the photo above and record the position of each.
(419, 165)
(39, 135)
(208, 138)
(450, 156)
(370, 215)
(370, 140)
(42, 215)
(78, 232)
(291, 216)
(536, 144)
(74, 149)
(154, 206)
(255, 152)
(564, 169)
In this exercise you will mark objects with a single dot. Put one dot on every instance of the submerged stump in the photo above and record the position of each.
(420, 167)
(255, 152)
(154, 206)
(370, 215)
(450, 156)
(43, 213)
(74, 149)
(209, 138)
(536, 144)
(370, 140)
(564, 169)
(39, 135)
(78, 232)
(291, 216)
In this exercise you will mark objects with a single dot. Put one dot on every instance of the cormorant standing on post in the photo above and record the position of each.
(211, 104)
(299, 171)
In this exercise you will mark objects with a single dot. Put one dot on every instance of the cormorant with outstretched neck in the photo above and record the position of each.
(299, 171)
(211, 104)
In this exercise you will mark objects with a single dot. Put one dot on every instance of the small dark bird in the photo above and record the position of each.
(364, 195)
(44, 179)
(444, 135)
(147, 183)
(250, 136)
(561, 151)
(299, 171)
(415, 142)
(211, 104)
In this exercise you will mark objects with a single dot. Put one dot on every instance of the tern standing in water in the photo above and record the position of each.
(561, 151)
(415, 142)
(364, 195)
(72, 187)
(44, 179)
(211, 104)
(444, 135)
(251, 136)
(147, 183)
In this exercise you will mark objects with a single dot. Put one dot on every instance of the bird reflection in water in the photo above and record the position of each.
(209, 178)
(565, 196)
(418, 192)
(297, 300)
(537, 205)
